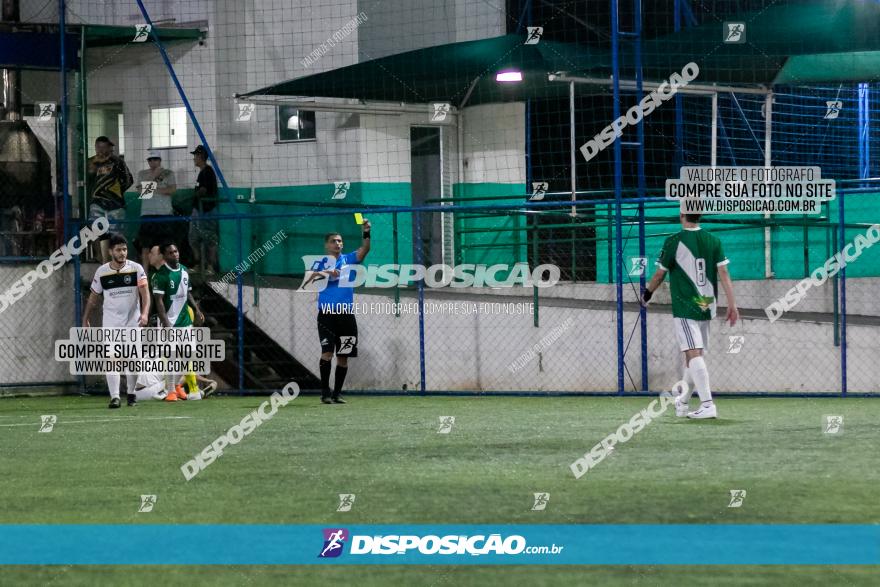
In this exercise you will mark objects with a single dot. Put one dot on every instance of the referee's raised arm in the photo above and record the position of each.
(365, 244)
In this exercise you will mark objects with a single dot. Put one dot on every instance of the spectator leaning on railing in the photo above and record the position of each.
(107, 178)
(203, 229)
(155, 203)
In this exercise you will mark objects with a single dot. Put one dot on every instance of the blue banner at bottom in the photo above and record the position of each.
(440, 544)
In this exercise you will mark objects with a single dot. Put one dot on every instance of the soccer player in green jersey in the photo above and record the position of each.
(171, 292)
(695, 262)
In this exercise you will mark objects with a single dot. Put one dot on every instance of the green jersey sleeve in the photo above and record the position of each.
(720, 258)
(666, 260)
(159, 282)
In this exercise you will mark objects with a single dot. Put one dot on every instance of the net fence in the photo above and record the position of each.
(456, 128)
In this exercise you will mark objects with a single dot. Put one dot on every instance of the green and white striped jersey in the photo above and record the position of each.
(692, 258)
(173, 284)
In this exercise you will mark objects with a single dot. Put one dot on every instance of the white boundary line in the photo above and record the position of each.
(103, 420)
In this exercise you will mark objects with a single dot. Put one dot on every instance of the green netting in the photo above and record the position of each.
(493, 236)
(798, 244)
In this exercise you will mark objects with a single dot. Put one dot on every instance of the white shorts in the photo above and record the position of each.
(150, 386)
(691, 334)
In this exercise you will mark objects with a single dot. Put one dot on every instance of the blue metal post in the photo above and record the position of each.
(841, 218)
(642, 188)
(864, 131)
(618, 195)
(185, 100)
(67, 205)
(421, 286)
(240, 287)
(527, 10)
(678, 159)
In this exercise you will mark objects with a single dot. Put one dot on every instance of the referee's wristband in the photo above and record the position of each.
(646, 296)
(367, 234)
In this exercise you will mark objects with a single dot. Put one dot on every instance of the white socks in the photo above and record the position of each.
(113, 380)
(687, 378)
(113, 384)
(700, 373)
(130, 382)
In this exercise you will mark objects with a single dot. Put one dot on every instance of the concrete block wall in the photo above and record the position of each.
(32, 324)
(494, 143)
(474, 352)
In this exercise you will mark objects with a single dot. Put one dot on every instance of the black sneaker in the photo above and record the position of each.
(325, 400)
(338, 400)
(131, 400)
(115, 403)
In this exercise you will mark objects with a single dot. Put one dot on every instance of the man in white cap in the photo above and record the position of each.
(156, 186)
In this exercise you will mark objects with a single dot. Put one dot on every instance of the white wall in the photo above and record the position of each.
(30, 326)
(255, 43)
(494, 143)
(468, 352)
(115, 12)
(139, 81)
(394, 26)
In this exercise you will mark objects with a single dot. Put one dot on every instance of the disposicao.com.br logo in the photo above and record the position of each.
(320, 271)
(334, 540)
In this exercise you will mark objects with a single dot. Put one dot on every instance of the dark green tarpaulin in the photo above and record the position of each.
(787, 43)
(445, 73)
(109, 36)
(36, 46)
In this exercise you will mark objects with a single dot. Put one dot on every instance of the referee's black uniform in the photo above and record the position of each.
(337, 325)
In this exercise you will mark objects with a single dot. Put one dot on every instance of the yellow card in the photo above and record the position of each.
(358, 218)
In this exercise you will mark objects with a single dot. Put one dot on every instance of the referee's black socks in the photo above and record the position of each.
(325, 378)
(340, 379)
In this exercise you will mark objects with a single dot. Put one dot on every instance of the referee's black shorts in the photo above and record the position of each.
(338, 332)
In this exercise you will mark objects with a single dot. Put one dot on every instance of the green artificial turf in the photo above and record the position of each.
(96, 463)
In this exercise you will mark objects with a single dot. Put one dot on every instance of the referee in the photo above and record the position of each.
(337, 327)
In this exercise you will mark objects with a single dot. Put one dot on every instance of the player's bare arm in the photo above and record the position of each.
(726, 283)
(144, 295)
(94, 299)
(160, 310)
(652, 285)
(364, 249)
(200, 318)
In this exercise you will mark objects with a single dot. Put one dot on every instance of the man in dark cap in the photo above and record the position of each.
(203, 230)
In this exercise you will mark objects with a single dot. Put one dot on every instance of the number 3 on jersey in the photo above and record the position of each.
(701, 271)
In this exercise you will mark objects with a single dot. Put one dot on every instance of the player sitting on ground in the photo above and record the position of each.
(191, 382)
(694, 260)
(152, 386)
